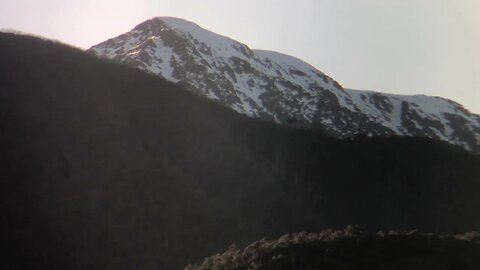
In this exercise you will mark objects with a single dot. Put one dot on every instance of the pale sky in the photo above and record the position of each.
(427, 47)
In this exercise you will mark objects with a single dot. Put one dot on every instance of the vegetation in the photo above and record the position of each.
(352, 249)
(106, 167)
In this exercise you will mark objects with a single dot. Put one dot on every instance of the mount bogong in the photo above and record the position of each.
(273, 86)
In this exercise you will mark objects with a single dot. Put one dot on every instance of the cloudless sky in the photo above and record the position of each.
(427, 47)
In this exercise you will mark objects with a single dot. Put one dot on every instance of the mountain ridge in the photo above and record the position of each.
(281, 88)
(109, 167)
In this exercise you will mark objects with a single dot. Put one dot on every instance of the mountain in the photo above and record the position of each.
(108, 167)
(352, 249)
(282, 88)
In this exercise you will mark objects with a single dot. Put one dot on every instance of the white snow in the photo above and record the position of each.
(432, 108)
(296, 82)
(163, 56)
(221, 45)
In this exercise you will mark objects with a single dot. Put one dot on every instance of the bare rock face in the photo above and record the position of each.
(281, 88)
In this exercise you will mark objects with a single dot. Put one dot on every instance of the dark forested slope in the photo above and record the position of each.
(106, 167)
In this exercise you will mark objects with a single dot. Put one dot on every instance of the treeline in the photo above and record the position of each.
(352, 249)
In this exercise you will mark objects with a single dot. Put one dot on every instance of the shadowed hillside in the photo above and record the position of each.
(106, 167)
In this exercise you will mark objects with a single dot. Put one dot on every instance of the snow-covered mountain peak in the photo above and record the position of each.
(197, 32)
(194, 33)
(282, 88)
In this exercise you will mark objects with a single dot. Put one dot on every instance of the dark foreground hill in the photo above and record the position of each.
(351, 249)
(106, 167)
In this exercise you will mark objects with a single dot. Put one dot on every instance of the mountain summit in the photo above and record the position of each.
(282, 88)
